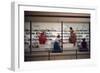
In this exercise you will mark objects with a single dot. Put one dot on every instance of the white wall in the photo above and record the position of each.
(5, 37)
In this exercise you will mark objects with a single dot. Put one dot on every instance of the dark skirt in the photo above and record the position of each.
(56, 48)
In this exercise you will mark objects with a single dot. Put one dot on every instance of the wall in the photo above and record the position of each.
(5, 35)
(80, 29)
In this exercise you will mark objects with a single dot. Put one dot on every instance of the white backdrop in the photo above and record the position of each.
(5, 36)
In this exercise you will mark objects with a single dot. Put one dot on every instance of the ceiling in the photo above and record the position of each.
(56, 16)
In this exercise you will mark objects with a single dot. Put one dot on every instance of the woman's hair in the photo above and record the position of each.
(71, 28)
(83, 39)
(58, 36)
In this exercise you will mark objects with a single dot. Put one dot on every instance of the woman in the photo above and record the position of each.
(72, 38)
(42, 38)
(56, 46)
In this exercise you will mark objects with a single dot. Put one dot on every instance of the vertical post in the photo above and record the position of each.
(89, 36)
(30, 38)
(62, 35)
(76, 53)
(48, 54)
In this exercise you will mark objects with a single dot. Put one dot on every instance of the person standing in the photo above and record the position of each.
(72, 38)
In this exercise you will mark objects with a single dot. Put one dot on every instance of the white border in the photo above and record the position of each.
(17, 60)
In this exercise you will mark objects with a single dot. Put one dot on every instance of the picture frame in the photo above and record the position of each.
(17, 34)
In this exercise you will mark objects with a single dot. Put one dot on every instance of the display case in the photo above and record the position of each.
(38, 22)
(81, 29)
